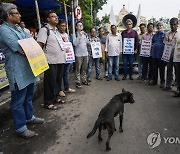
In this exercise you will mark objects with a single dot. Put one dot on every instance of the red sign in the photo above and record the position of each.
(78, 13)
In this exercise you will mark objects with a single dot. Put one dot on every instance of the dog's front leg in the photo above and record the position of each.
(121, 121)
(99, 135)
(108, 148)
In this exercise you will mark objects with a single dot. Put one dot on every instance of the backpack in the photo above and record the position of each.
(48, 33)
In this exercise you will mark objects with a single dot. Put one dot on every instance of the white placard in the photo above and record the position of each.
(96, 49)
(145, 48)
(177, 52)
(70, 58)
(167, 51)
(128, 46)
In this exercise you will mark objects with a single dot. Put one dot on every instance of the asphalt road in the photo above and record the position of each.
(66, 129)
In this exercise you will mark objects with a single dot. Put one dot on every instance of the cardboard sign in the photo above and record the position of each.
(145, 48)
(96, 49)
(35, 55)
(167, 51)
(177, 52)
(128, 46)
(70, 58)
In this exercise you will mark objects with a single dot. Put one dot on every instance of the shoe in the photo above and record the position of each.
(78, 85)
(62, 94)
(117, 79)
(86, 83)
(27, 134)
(37, 121)
(108, 79)
(98, 78)
(161, 86)
(177, 93)
(124, 78)
(152, 83)
(131, 78)
(139, 78)
(70, 90)
(89, 79)
(167, 89)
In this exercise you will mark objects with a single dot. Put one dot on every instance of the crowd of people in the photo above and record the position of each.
(51, 37)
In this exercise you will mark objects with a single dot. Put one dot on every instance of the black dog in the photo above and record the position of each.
(106, 116)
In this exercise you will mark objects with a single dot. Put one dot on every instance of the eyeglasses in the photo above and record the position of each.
(15, 13)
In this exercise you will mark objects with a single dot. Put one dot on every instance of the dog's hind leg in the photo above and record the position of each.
(121, 121)
(99, 135)
(110, 133)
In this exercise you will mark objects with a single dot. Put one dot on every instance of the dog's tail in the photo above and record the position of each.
(96, 125)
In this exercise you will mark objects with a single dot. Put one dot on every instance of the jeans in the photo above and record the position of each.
(113, 60)
(21, 106)
(90, 65)
(66, 76)
(128, 58)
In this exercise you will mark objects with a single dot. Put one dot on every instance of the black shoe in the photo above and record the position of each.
(89, 79)
(152, 83)
(167, 89)
(86, 83)
(109, 79)
(98, 78)
(131, 78)
(117, 79)
(161, 86)
(78, 85)
(177, 94)
(124, 78)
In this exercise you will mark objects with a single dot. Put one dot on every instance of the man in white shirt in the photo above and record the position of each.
(113, 49)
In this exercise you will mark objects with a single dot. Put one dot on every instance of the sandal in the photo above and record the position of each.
(60, 101)
(50, 107)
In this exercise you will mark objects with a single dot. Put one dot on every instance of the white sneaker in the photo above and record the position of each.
(70, 90)
(62, 94)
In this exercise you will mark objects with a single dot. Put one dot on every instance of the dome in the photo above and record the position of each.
(123, 11)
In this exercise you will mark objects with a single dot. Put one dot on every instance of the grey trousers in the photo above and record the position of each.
(177, 65)
(169, 76)
(81, 68)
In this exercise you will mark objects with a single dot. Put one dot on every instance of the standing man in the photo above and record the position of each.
(62, 29)
(147, 59)
(23, 26)
(113, 50)
(142, 28)
(157, 51)
(19, 73)
(51, 41)
(93, 38)
(171, 37)
(80, 40)
(130, 35)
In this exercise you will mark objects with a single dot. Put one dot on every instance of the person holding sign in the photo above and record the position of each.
(170, 41)
(113, 50)
(62, 29)
(20, 76)
(95, 53)
(157, 50)
(146, 53)
(51, 41)
(130, 46)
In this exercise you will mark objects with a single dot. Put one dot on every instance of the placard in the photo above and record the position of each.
(70, 58)
(167, 51)
(35, 55)
(96, 49)
(177, 52)
(145, 48)
(128, 46)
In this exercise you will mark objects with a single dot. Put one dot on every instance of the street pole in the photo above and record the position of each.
(91, 13)
(65, 10)
(73, 25)
(38, 15)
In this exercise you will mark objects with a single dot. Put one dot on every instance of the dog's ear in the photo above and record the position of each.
(123, 90)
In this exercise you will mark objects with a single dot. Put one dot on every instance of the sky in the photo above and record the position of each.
(149, 8)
